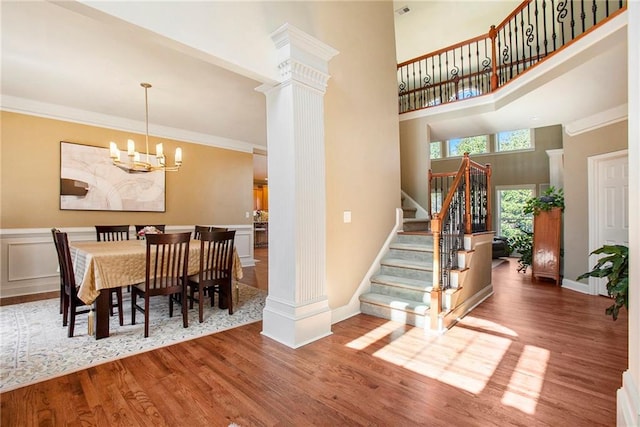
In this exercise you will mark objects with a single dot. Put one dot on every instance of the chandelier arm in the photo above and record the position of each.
(135, 164)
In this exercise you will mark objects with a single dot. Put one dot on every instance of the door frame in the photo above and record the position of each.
(595, 198)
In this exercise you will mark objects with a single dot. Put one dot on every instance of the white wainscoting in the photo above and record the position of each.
(29, 264)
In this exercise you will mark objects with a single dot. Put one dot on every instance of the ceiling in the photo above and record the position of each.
(59, 63)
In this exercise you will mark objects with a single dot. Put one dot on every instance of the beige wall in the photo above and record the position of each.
(214, 186)
(577, 150)
(414, 159)
(361, 130)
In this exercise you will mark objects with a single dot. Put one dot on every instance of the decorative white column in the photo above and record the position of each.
(556, 168)
(297, 310)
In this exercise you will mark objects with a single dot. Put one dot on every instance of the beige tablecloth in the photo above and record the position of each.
(103, 265)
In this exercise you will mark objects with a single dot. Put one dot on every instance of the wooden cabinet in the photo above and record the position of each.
(260, 197)
(547, 232)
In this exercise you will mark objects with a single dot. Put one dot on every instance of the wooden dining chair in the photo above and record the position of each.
(114, 233)
(111, 233)
(159, 227)
(72, 305)
(215, 274)
(167, 261)
(199, 229)
(70, 301)
(55, 243)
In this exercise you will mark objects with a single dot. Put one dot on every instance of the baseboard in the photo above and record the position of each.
(452, 317)
(628, 407)
(573, 285)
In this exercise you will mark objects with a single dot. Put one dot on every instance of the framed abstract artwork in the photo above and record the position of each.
(90, 181)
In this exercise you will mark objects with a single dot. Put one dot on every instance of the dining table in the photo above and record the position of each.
(104, 265)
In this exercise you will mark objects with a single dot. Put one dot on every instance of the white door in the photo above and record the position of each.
(608, 200)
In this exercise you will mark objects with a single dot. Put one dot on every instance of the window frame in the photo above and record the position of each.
(442, 156)
(487, 147)
(498, 211)
(532, 142)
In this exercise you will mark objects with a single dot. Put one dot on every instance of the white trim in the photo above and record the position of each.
(556, 167)
(593, 163)
(573, 285)
(601, 119)
(352, 308)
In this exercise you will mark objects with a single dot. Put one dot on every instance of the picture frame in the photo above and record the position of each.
(89, 181)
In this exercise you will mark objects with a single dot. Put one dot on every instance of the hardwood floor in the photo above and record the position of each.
(258, 276)
(533, 354)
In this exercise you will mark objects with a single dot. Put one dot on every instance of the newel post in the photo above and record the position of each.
(489, 219)
(467, 194)
(436, 291)
(429, 189)
(494, 59)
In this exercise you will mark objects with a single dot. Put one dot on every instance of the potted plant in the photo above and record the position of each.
(615, 267)
(551, 198)
(522, 242)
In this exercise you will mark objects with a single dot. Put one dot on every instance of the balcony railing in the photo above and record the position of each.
(531, 33)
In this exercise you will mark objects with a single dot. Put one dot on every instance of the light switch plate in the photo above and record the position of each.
(347, 217)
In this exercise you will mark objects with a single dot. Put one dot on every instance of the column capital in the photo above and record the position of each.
(302, 57)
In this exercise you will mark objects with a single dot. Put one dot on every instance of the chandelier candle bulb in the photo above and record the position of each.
(178, 155)
(131, 147)
(113, 149)
(159, 152)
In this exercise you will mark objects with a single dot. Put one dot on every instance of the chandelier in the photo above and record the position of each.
(135, 162)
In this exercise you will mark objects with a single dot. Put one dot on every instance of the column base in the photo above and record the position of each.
(295, 326)
(628, 402)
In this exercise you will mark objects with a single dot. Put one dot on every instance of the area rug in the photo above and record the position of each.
(34, 345)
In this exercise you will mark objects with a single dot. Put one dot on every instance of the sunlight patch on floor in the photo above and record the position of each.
(392, 329)
(527, 379)
(465, 360)
(487, 325)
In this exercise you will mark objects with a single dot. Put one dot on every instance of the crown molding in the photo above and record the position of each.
(601, 119)
(74, 115)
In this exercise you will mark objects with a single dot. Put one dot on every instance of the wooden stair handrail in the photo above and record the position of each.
(437, 222)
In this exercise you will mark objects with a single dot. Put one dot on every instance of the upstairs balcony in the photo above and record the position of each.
(535, 31)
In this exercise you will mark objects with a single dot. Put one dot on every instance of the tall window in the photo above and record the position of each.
(511, 200)
(520, 139)
(471, 144)
(436, 150)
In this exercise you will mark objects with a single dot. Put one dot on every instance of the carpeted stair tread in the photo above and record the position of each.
(407, 263)
(416, 224)
(411, 247)
(395, 303)
(402, 282)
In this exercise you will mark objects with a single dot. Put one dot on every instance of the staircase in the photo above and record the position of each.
(401, 288)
